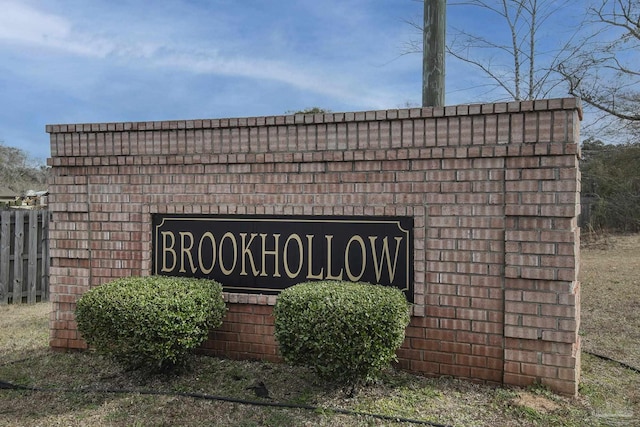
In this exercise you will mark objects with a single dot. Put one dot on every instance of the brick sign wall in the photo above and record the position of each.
(492, 190)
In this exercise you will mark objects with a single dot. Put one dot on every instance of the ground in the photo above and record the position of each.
(609, 391)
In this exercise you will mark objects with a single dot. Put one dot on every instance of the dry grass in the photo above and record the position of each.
(445, 401)
(609, 393)
(610, 277)
(22, 328)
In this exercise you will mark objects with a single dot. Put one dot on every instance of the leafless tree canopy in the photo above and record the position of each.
(597, 60)
(604, 68)
(516, 65)
(519, 66)
(18, 172)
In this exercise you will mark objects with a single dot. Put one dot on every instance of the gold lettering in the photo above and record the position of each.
(291, 274)
(310, 274)
(329, 275)
(168, 249)
(186, 251)
(209, 236)
(246, 250)
(363, 252)
(227, 271)
(378, 263)
(274, 252)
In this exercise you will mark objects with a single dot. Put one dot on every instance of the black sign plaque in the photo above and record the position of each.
(266, 254)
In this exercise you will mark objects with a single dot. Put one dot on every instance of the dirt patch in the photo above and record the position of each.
(536, 402)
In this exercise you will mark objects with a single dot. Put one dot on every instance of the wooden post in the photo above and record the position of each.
(433, 53)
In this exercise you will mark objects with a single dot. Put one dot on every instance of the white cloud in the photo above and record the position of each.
(302, 77)
(28, 27)
(32, 28)
(76, 61)
(23, 24)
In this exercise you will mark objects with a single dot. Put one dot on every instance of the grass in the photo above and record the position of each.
(610, 277)
(609, 393)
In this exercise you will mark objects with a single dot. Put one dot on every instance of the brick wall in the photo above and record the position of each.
(493, 189)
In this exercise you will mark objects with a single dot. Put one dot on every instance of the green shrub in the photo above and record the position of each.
(346, 332)
(150, 321)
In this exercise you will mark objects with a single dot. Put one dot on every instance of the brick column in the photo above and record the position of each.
(542, 292)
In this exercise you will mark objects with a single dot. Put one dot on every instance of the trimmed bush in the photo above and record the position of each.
(346, 332)
(150, 321)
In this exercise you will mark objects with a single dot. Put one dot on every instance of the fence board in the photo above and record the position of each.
(24, 256)
(18, 249)
(32, 262)
(46, 259)
(5, 248)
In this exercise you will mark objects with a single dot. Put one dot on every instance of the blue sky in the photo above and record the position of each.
(80, 61)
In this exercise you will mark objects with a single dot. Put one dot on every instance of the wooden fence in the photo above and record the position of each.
(24, 256)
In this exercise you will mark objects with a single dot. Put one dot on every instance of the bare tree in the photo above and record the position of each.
(510, 57)
(604, 67)
(19, 172)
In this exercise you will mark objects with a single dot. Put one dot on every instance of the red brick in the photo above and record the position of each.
(471, 314)
(409, 354)
(491, 352)
(415, 332)
(443, 335)
(487, 327)
(456, 371)
(569, 388)
(540, 322)
(77, 344)
(532, 357)
(487, 304)
(541, 297)
(454, 301)
(518, 380)
(456, 324)
(424, 344)
(559, 360)
(490, 375)
(539, 371)
(558, 336)
(471, 337)
(559, 310)
(451, 347)
(520, 332)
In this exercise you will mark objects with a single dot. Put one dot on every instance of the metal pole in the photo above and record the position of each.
(433, 53)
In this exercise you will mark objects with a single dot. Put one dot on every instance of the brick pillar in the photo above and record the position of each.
(70, 256)
(542, 293)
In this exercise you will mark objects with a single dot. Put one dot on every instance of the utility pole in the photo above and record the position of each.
(433, 49)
